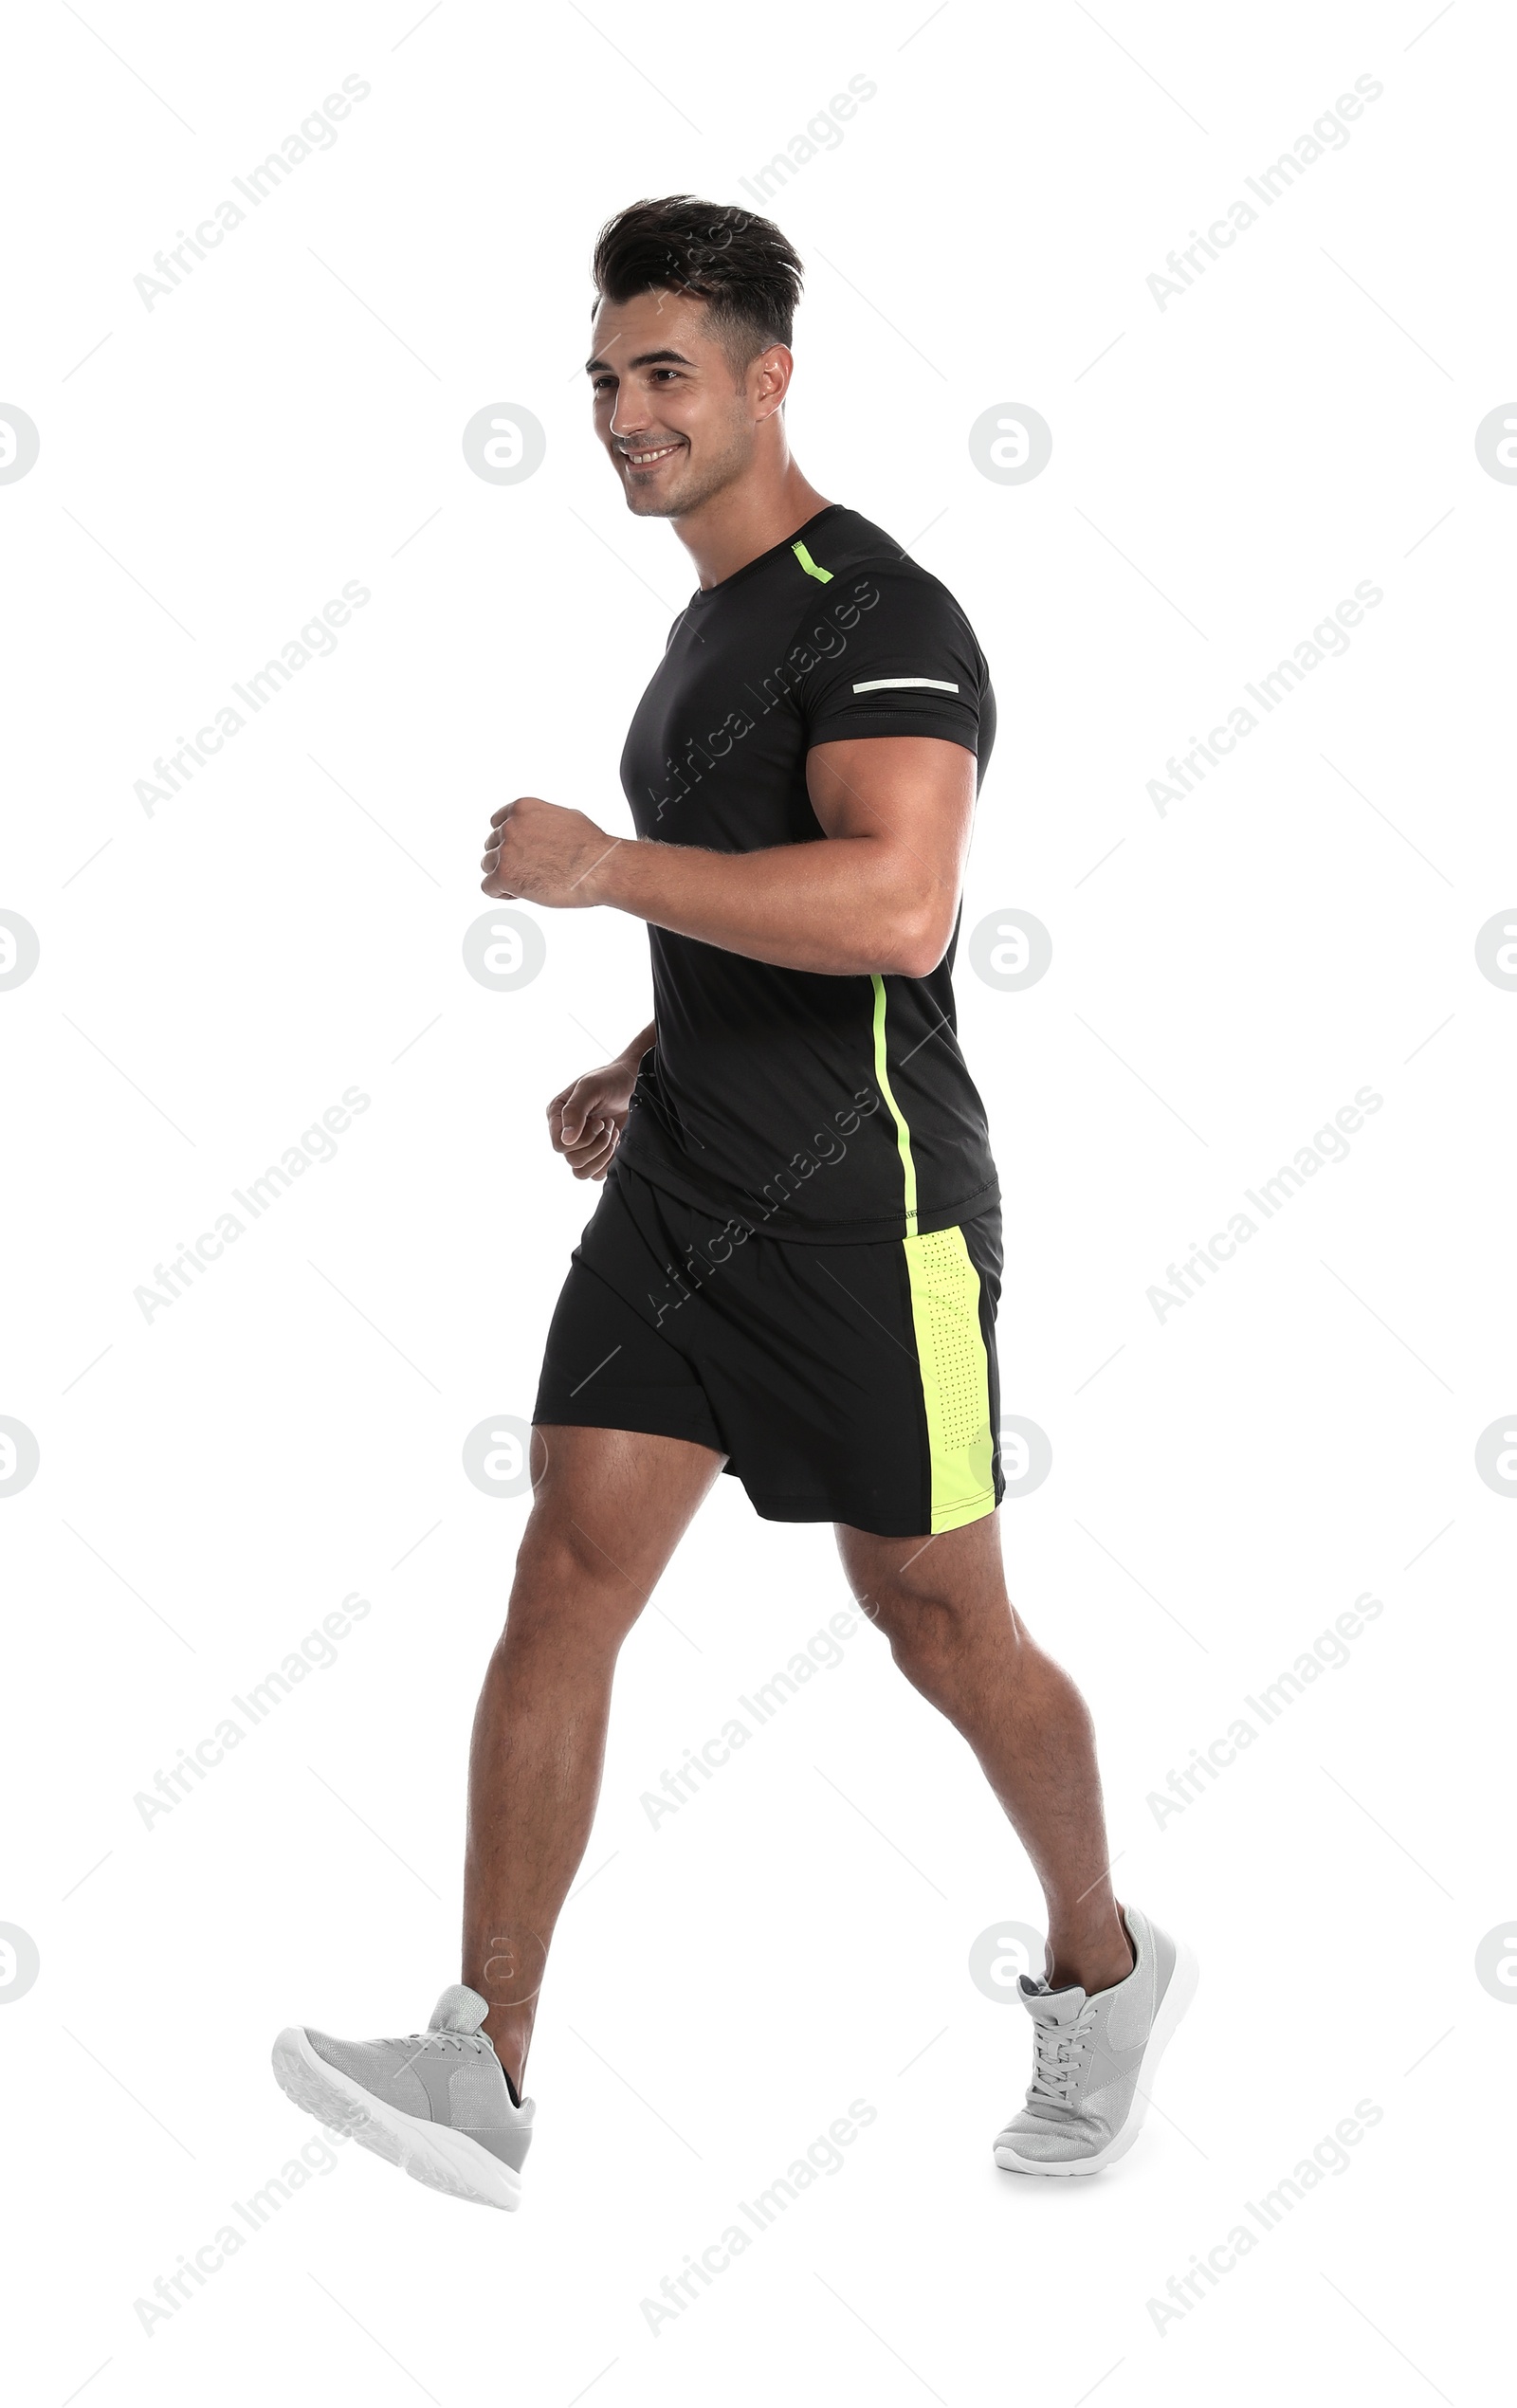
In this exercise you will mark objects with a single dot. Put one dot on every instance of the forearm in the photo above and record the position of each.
(840, 907)
(631, 1054)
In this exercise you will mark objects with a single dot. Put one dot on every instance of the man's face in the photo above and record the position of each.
(671, 411)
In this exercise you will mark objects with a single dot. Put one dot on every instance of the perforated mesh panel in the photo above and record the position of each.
(478, 2094)
(955, 1370)
(948, 1334)
(381, 2066)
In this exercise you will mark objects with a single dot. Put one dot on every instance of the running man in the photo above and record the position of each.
(792, 1270)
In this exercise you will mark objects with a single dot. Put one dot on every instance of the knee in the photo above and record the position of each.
(944, 1645)
(565, 1580)
(927, 1637)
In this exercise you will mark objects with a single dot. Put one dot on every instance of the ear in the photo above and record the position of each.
(770, 375)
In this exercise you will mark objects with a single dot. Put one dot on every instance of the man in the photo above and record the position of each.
(793, 1270)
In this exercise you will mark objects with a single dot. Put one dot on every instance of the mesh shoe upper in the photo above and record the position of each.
(1090, 2050)
(448, 2074)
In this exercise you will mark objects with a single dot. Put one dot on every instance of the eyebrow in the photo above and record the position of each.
(643, 360)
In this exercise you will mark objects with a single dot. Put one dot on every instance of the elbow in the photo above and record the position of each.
(915, 946)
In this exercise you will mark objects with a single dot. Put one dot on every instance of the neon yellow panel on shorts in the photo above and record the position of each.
(954, 1376)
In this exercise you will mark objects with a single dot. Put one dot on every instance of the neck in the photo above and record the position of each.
(734, 526)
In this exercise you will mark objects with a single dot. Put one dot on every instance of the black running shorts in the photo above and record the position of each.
(843, 1384)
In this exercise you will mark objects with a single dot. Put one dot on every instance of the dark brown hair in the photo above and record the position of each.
(738, 264)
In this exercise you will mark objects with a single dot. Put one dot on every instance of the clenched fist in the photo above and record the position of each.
(540, 853)
(586, 1119)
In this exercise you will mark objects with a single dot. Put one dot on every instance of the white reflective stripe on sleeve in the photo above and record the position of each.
(939, 685)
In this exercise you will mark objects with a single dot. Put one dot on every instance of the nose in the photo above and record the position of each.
(628, 417)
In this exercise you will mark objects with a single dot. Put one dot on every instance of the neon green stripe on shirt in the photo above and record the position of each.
(903, 1135)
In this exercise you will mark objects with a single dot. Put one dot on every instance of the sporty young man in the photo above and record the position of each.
(792, 1270)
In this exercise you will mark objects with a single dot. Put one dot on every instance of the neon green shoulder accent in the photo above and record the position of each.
(823, 577)
(903, 1135)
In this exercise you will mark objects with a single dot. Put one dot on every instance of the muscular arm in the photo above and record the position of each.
(880, 894)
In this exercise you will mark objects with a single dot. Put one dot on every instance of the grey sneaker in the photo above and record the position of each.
(437, 2104)
(1095, 2058)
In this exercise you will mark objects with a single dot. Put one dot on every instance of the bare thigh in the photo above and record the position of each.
(902, 1582)
(609, 1505)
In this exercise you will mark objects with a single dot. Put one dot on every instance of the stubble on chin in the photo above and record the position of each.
(680, 496)
(669, 500)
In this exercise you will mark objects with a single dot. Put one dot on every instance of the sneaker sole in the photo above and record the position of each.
(445, 2161)
(1176, 1998)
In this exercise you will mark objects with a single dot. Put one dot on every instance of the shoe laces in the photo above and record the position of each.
(417, 2041)
(1059, 2056)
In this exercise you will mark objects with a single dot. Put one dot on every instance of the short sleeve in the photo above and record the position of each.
(891, 654)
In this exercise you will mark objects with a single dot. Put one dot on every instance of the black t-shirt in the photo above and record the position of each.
(831, 1109)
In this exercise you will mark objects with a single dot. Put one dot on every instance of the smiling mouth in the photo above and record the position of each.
(651, 458)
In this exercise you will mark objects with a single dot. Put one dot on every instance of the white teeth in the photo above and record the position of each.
(640, 459)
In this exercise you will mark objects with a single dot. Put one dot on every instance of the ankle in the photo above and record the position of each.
(510, 2037)
(1097, 1960)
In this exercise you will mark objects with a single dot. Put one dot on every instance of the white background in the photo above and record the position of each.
(1225, 1481)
